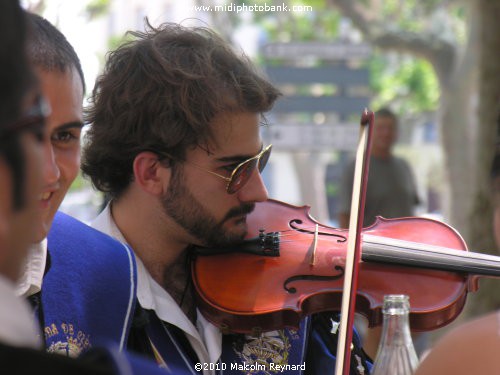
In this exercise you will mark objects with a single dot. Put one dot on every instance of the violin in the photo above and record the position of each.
(291, 266)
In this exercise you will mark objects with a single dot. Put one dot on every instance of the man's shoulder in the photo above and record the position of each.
(473, 345)
(90, 287)
(66, 229)
(74, 244)
(398, 160)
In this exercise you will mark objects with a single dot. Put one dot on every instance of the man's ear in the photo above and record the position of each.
(150, 175)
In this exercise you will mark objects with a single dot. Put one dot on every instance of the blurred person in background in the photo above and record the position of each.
(391, 190)
(391, 193)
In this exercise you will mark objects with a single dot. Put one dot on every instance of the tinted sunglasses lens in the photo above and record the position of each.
(264, 159)
(241, 175)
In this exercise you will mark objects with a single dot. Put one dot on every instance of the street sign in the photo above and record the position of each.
(320, 50)
(338, 74)
(340, 88)
(308, 137)
(342, 105)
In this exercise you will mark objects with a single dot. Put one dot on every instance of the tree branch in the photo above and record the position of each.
(439, 52)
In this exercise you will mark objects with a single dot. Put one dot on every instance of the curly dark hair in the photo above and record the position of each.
(160, 92)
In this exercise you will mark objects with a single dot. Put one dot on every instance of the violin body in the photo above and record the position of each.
(250, 293)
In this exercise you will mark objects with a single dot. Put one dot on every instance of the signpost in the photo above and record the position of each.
(320, 50)
(317, 77)
(296, 137)
(326, 82)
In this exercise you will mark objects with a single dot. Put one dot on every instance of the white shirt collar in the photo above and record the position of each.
(31, 280)
(17, 326)
(206, 339)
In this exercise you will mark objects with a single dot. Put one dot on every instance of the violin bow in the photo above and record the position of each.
(353, 255)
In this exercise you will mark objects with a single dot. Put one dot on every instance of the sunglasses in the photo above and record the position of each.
(33, 121)
(242, 172)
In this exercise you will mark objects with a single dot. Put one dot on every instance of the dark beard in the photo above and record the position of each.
(185, 210)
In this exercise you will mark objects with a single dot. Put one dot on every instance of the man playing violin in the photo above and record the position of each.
(175, 143)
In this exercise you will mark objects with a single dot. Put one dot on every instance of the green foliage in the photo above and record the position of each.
(319, 24)
(79, 183)
(332, 189)
(116, 41)
(96, 8)
(445, 19)
(406, 84)
(113, 43)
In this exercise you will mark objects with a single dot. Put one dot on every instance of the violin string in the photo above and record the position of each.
(397, 245)
(300, 230)
(299, 237)
(403, 246)
(293, 237)
(312, 227)
(309, 240)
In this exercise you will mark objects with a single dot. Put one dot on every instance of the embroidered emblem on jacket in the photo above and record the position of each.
(69, 342)
(258, 352)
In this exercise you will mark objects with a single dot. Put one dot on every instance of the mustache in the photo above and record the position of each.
(239, 211)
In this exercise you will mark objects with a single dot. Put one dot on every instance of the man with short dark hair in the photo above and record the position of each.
(23, 113)
(73, 308)
(391, 193)
(22, 130)
(391, 190)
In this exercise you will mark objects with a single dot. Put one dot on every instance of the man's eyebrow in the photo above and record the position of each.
(236, 158)
(70, 125)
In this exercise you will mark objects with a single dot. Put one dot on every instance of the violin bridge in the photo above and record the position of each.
(313, 247)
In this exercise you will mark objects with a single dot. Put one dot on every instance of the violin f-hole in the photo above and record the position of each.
(293, 290)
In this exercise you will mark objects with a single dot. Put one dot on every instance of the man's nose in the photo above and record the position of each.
(254, 190)
(51, 170)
